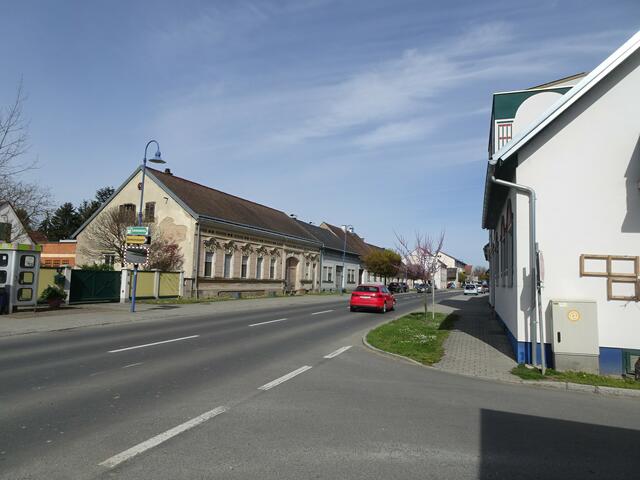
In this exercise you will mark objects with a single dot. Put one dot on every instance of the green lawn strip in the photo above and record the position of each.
(575, 377)
(414, 338)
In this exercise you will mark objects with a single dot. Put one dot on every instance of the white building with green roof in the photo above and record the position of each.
(575, 143)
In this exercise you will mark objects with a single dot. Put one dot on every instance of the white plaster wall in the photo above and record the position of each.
(507, 299)
(328, 262)
(18, 233)
(532, 109)
(585, 168)
(172, 219)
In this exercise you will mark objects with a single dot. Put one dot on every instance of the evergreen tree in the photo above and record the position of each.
(64, 221)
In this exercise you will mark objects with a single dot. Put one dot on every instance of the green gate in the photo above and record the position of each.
(94, 286)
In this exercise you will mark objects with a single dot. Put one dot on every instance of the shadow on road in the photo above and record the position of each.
(525, 446)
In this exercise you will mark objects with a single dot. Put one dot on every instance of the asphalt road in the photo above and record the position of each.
(277, 394)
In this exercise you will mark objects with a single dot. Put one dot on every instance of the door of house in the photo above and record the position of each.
(290, 274)
(339, 274)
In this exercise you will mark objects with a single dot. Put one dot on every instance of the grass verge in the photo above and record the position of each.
(414, 338)
(574, 377)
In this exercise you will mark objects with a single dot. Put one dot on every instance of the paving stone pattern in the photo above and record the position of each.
(477, 345)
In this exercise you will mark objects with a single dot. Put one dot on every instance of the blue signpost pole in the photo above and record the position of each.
(156, 159)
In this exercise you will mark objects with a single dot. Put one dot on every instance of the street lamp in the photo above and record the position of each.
(157, 158)
(344, 252)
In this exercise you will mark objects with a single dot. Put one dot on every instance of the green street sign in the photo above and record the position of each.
(144, 231)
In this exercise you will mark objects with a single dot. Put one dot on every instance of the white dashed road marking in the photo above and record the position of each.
(133, 365)
(324, 311)
(270, 321)
(284, 378)
(337, 352)
(163, 437)
(152, 344)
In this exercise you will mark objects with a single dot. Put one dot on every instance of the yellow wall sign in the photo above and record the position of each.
(573, 315)
(136, 239)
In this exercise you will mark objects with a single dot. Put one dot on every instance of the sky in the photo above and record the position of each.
(370, 113)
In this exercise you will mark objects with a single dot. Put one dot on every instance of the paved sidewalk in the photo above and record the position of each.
(77, 316)
(477, 346)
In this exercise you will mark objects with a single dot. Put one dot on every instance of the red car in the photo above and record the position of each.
(372, 296)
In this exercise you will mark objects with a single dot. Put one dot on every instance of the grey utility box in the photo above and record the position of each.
(575, 335)
(19, 268)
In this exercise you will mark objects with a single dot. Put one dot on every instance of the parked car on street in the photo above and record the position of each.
(394, 287)
(404, 287)
(451, 285)
(484, 288)
(422, 287)
(372, 296)
(471, 289)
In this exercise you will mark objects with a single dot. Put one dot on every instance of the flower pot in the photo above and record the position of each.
(54, 302)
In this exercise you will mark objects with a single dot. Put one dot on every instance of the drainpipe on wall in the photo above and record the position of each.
(536, 309)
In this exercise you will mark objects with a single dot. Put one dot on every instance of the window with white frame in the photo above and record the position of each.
(505, 130)
(208, 264)
(109, 259)
(272, 268)
(228, 257)
(244, 266)
(327, 274)
(259, 268)
(351, 276)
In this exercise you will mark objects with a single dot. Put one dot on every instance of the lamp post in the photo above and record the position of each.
(157, 158)
(344, 253)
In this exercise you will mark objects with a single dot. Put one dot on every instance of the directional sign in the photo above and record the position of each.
(136, 255)
(137, 240)
(143, 231)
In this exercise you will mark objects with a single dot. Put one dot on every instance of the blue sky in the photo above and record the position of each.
(373, 113)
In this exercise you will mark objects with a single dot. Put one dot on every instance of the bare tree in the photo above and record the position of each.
(107, 233)
(30, 199)
(422, 259)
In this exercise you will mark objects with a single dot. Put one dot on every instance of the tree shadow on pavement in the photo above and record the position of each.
(477, 320)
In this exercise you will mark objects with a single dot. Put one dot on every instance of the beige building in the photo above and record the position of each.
(229, 244)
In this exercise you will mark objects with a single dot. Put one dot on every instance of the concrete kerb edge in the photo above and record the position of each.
(567, 386)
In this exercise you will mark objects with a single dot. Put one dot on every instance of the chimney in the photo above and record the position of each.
(168, 171)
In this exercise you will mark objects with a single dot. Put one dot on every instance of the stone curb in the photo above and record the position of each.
(567, 386)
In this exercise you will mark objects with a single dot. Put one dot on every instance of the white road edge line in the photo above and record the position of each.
(270, 321)
(152, 344)
(337, 352)
(163, 437)
(324, 311)
(284, 378)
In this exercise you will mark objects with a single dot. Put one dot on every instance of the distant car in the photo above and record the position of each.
(471, 289)
(484, 288)
(404, 287)
(372, 296)
(394, 287)
(422, 287)
(451, 285)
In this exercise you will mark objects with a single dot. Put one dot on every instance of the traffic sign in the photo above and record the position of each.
(138, 230)
(137, 240)
(136, 255)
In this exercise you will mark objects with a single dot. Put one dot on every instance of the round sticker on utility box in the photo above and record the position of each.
(573, 315)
